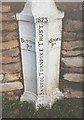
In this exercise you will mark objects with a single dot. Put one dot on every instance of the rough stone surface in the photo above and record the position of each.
(72, 11)
(6, 60)
(10, 86)
(11, 68)
(8, 16)
(10, 26)
(0, 17)
(0, 57)
(12, 95)
(71, 45)
(69, 36)
(68, 93)
(0, 26)
(4, 8)
(71, 53)
(12, 77)
(0, 68)
(0, 36)
(1, 77)
(72, 25)
(79, 36)
(71, 69)
(9, 36)
(11, 53)
(73, 61)
(73, 77)
(9, 45)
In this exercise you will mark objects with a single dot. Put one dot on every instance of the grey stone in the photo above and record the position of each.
(74, 53)
(12, 77)
(9, 45)
(79, 36)
(8, 16)
(71, 69)
(71, 45)
(69, 36)
(10, 86)
(11, 68)
(6, 60)
(71, 93)
(73, 61)
(10, 26)
(11, 52)
(4, 8)
(9, 36)
(1, 77)
(72, 25)
(74, 77)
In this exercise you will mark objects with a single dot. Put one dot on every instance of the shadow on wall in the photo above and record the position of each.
(16, 7)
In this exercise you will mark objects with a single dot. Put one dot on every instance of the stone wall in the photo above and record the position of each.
(11, 74)
(72, 50)
(71, 54)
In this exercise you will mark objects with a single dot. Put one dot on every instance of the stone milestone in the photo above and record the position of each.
(40, 35)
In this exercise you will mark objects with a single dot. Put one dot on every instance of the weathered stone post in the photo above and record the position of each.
(40, 29)
(48, 25)
(28, 53)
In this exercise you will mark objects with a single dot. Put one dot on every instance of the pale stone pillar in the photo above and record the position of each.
(28, 53)
(41, 24)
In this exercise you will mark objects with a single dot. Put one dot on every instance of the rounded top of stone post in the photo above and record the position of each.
(40, 8)
(26, 14)
(45, 8)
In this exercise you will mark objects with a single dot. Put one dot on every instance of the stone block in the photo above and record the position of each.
(9, 36)
(71, 45)
(10, 86)
(1, 56)
(12, 95)
(0, 68)
(6, 60)
(79, 36)
(12, 77)
(0, 17)
(11, 68)
(68, 93)
(69, 36)
(1, 77)
(73, 61)
(11, 52)
(9, 26)
(0, 27)
(71, 69)
(73, 77)
(9, 45)
(8, 17)
(71, 53)
(73, 25)
(4, 8)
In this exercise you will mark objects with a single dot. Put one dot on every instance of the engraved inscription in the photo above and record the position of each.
(53, 41)
(41, 60)
(42, 20)
(27, 44)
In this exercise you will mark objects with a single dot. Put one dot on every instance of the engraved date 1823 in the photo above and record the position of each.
(41, 20)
